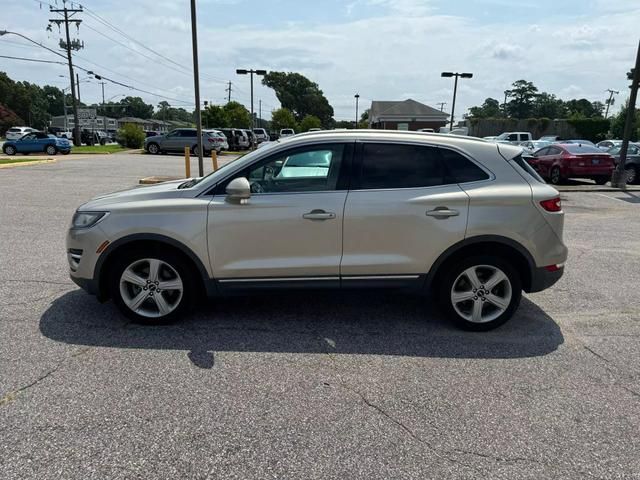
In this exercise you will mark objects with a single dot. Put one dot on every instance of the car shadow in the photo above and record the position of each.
(369, 323)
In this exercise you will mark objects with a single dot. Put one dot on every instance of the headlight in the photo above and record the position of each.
(86, 219)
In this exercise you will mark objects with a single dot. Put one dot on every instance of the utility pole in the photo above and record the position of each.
(104, 116)
(504, 105)
(357, 97)
(442, 104)
(455, 90)
(196, 85)
(78, 87)
(69, 45)
(610, 101)
(242, 71)
(260, 111)
(619, 177)
(228, 89)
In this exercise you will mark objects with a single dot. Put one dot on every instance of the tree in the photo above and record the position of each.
(130, 136)
(135, 107)
(309, 122)
(490, 108)
(215, 116)
(522, 94)
(237, 115)
(166, 112)
(583, 108)
(618, 122)
(300, 95)
(283, 118)
(547, 105)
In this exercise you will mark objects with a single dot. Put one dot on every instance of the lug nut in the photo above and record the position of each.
(144, 288)
(475, 298)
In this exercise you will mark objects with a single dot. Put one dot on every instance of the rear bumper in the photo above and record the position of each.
(541, 279)
(594, 170)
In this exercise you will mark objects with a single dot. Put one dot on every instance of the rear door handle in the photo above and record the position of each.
(442, 212)
(319, 215)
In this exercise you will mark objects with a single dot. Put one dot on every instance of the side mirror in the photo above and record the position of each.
(238, 190)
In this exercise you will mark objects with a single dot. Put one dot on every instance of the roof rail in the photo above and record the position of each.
(381, 131)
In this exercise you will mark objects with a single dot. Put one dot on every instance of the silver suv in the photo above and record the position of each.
(176, 141)
(463, 218)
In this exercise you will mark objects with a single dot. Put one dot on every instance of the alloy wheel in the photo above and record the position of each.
(481, 293)
(153, 148)
(51, 150)
(151, 288)
(631, 174)
(10, 150)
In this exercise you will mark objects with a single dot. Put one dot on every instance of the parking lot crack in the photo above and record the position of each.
(11, 396)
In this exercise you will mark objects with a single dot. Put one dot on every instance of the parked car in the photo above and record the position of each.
(550, 138)
(253, 141)
(514, 138)
(217, 139)
(287, 132)
(176, 141)
(632, 165)
(607, 145)
(578, 142)
(560, 161)
(14, 133)
(397, 218)
(261, 135)
(93, 137)
(36, 142)
(532, 146)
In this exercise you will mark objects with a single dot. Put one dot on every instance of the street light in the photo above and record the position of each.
(243, 71)
(357, 97)
(455, 90)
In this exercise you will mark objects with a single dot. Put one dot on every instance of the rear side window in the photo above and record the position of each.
(528, 169)
(460, 169)
(400, 166)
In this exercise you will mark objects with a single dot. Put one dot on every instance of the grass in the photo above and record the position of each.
(112, 148)
(5, 161)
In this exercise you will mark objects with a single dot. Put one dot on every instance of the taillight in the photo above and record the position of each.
(211, 140)
(552, 205)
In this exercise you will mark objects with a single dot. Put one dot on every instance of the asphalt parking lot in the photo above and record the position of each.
(358, 385)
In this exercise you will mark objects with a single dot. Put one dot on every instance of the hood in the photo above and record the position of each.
(136, 194)
(155, 137)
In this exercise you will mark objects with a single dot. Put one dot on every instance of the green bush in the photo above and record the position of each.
(594, 129)
(130, 136)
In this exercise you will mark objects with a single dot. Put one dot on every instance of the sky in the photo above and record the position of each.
(380, 49)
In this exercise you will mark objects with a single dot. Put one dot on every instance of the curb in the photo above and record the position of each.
(158, 179)
(26, 164)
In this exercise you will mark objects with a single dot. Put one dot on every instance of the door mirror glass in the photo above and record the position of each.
(238, 190)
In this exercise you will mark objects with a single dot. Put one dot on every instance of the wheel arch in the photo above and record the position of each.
(148, 241)
(485, 244)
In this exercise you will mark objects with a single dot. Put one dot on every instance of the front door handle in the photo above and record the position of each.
(442, 212)
(319, 215)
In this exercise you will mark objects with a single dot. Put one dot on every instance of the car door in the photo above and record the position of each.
(42, 140)
(171, 141)
(28, 143)
(403, 210)
(290, 230)
(188, 138)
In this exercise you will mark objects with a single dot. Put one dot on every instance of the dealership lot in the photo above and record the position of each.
(313, 385)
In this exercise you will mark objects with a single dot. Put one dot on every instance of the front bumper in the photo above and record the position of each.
(82, 246)
(541, 279)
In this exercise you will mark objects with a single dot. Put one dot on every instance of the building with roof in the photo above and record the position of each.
(405, 115)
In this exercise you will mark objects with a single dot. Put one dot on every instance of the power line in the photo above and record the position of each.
(32, 60)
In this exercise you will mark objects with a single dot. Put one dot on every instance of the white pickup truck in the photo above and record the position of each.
(514, 138)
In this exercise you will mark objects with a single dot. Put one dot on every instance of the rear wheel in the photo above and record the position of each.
(10, 150)
(555, 177)
(51, 150)
(481, 293)
(601, 180)
(632, 174)
(152, 287)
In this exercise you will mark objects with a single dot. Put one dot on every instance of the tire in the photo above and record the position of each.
(632, 174)
(601, 180)
(50, 150)
(457, 281)
(555, 177)
(66, 152)
(136, 294)
(103, 141)
(153, 148)
(10, 150)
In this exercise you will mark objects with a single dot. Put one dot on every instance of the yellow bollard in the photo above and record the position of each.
(187, 162)
(214, 160)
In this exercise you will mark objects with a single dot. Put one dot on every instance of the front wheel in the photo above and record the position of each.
(51, 150)
(153, 148)
(481, 293)
(152, 287)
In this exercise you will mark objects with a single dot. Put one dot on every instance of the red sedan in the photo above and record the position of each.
(560, 161)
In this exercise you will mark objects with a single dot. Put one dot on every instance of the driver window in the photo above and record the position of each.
(301, 170)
